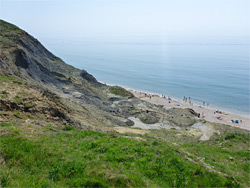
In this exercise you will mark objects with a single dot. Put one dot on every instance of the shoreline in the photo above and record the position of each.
(195, 101)
(207, 113)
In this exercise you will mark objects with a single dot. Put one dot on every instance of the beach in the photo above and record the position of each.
(206, 113)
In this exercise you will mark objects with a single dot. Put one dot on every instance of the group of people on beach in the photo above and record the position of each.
(185, 99)
(152, 95)
(217, 114)
(188, 99)
(204, 104)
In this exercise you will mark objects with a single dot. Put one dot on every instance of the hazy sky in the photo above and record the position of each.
(105, 18)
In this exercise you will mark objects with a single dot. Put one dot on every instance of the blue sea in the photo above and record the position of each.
(216, 73)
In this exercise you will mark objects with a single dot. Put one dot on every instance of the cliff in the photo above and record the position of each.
(24, 57)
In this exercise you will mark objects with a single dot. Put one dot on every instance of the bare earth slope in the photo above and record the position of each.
(22, 56)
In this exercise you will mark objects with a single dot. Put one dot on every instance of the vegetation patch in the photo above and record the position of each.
(28, 105)
(68, 128)
(6, 78)
(116, 90)
(5, 124)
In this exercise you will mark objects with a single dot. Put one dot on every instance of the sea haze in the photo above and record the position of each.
(210, 72)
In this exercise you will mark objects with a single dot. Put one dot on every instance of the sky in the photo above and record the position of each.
(129, 18)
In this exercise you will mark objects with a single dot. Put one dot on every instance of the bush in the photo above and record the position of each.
(68, 128)
(116, 90)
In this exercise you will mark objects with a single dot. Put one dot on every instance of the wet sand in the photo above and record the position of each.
(206, 113)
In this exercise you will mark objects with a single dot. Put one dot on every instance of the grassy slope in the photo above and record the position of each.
(228, 154)
(38, 157)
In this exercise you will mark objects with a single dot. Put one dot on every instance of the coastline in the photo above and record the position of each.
(196, 102)
(208, 114)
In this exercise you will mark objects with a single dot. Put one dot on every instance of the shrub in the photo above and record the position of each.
(116, 90)
(4, 180)
(68, 128)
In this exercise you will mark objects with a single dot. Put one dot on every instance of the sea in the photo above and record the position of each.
(213, 71)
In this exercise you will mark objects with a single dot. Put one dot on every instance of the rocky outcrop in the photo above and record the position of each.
(88, 77)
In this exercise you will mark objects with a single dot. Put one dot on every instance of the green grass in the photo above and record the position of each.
(228, 154)
(6, 79)
(5, 124)
(27, 105)
(116, 90)
(16, 81)
(78, 158)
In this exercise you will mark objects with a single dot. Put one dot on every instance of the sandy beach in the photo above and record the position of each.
(206, 113)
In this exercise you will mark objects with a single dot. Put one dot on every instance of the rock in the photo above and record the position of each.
(88, 76)
(181, 121)
(129, 122)
(21, 59)
(193, 112)
(148, 118)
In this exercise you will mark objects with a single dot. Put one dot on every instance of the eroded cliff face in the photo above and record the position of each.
(24, 58)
